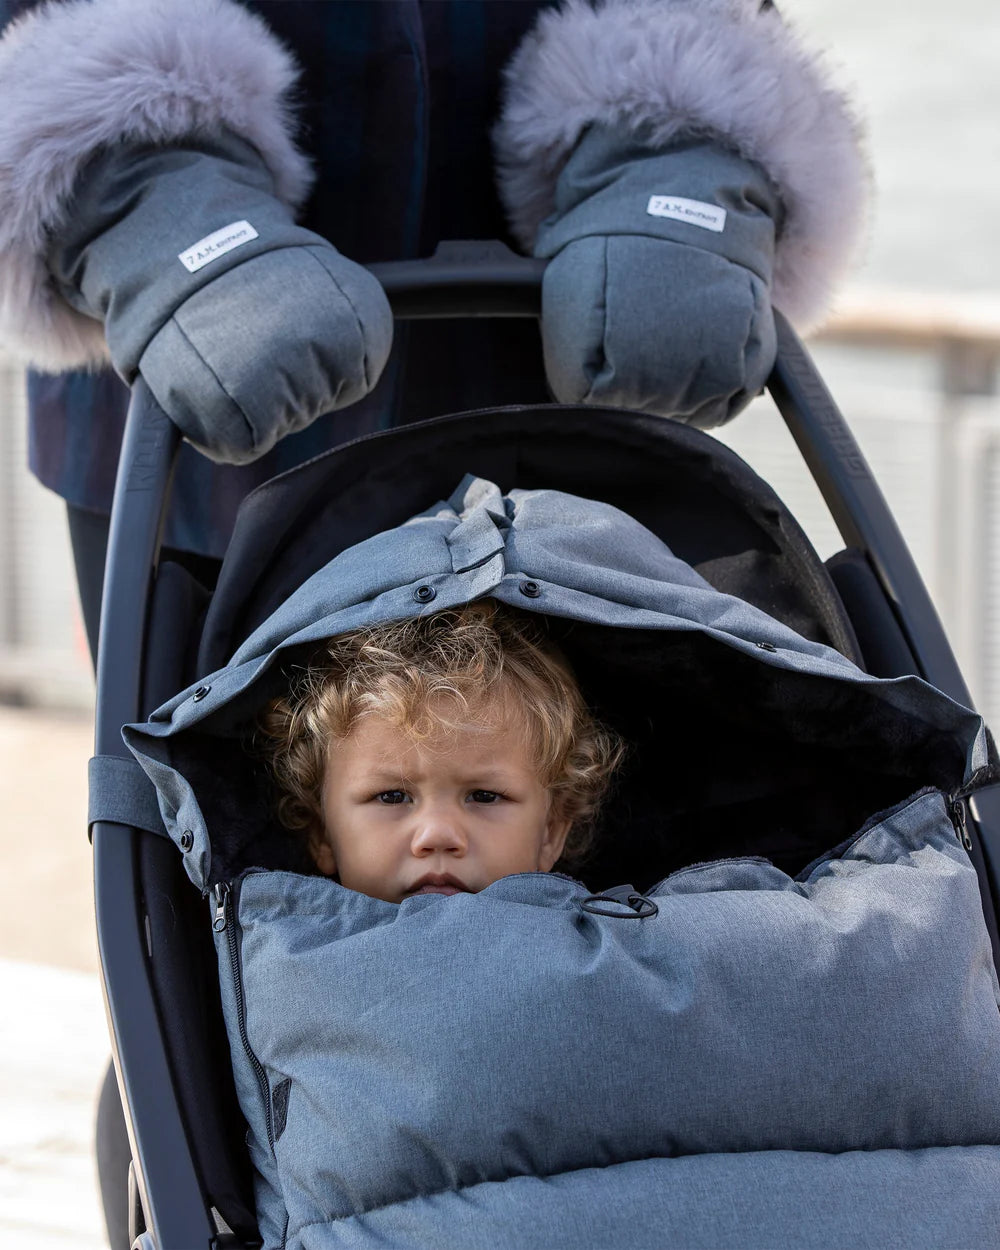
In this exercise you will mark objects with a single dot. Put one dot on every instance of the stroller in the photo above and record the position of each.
(191, 1183)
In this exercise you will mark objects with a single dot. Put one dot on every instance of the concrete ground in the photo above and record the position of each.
(53, 1036)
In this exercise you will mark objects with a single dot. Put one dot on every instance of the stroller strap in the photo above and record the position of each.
(120, 792)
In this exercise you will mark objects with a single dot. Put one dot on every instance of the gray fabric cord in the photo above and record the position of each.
(246, 326)
(657, 294)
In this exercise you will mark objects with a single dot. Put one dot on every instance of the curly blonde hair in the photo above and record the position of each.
(443, 672)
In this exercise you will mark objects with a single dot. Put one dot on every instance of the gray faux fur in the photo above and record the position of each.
(78, 76)
(666, 68)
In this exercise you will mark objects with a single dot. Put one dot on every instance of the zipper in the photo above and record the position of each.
(961, 824)
(221, 892)
(224, 922)
(957, 802)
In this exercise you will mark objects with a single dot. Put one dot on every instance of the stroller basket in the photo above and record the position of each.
(190, 1181)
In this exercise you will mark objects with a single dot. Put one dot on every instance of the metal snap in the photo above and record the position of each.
(424, 594)
(767, 646)
(200, 693)
(187, 840)
(530, 590)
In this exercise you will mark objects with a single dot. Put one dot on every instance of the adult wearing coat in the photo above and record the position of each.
(682, 163)
(189, 190)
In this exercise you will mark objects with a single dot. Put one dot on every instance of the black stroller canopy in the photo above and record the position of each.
(705, 503)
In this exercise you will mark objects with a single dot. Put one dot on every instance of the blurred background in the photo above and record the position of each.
(911, 356)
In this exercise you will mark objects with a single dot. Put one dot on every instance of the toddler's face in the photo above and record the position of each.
(451, 814)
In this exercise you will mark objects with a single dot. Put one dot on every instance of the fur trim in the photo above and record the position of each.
(79, 76)
(666, 68)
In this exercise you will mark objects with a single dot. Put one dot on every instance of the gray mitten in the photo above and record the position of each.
(657, 294)
(149, 178)
(245, 326)
(683, 164)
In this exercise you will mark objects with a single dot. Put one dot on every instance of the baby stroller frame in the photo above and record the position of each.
(170, 1208)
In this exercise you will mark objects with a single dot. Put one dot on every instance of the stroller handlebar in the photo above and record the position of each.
(475, 278)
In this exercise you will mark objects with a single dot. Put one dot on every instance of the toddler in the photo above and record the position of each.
(438, 754)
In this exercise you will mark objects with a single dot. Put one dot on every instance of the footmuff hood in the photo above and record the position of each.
(745, 738)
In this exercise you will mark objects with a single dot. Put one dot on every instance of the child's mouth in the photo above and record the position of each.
(434, 883)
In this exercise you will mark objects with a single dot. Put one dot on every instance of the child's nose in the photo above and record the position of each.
(439, 830)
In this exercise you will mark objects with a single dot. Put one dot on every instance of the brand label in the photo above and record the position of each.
(694, 212)
(212, 246)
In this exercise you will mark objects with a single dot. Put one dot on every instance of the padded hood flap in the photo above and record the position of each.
(654, 645)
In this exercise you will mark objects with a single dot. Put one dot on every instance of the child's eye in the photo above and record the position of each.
(391, 796)
(484, 796)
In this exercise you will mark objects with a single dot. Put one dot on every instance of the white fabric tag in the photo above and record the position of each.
(217, 244)
(694, 212)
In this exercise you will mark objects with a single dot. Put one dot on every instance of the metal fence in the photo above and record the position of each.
(915, 377)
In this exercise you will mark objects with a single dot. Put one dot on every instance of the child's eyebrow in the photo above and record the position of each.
(381, 772)
(392, 772)
(489, 778)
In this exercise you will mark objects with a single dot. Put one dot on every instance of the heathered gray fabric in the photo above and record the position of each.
(792, 1199)
(252, 346)
(649, 312)
(511, 1033)
(766, 1061)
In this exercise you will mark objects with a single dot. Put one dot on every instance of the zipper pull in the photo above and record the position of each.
(961, 828)
(221, 903)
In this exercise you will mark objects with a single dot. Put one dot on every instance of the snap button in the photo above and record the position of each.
(530, 590)
(187, 840)
(424, 594)
(200, 693)
(767, 646)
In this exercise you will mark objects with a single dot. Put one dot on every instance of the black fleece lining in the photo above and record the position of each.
(729, 756)
(732, 756)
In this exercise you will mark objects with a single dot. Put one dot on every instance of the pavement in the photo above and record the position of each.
(53, 1035)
